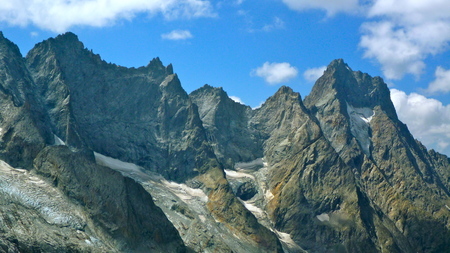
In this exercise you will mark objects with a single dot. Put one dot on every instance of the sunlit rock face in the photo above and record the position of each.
(340, 166)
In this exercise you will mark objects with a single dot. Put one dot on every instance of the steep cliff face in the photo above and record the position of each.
(142, 116)
(226, 124)
(359, 120)
(54, 199)
(22, 129)
(121, 212)
(313, 193)
(343, 173)
(138, 115)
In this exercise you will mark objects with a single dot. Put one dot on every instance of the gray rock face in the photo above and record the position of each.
(359, 120)
(141, 116)
(344, 173)
(226, 123)
(71, 204)
(123, 213)
(137, 115)
(22, 129)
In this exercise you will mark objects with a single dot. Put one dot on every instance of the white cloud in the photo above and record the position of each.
(330, 6)
(60, 15)
(312, 74)
(405, 34)
(442, 82)
(237, 99)
(427, 119)
(259, 105)
(274, 73)
(277, 23)
(177, 35)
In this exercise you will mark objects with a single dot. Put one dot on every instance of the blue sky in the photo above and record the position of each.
(251, 48)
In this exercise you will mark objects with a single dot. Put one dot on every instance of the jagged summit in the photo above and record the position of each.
(67, 37)
(358, 89)
(286, 91)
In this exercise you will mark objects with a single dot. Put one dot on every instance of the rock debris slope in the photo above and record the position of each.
(96, 157)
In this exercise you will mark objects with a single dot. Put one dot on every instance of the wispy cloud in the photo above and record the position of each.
(61, 15)
(331, 7)
(427, 119)
(237, 99)
(177, 35)
(312, 74)
(442, 82)
(275, 73)
(277, 23)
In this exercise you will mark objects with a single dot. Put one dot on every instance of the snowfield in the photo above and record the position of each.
(25, 188)
(360, 125)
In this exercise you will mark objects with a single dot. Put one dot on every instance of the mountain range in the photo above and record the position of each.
(95, 157)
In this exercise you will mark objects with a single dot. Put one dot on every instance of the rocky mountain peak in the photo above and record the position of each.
(67, 41)
(284, 98)
(208, 90)
(156, 66)
(358, 89)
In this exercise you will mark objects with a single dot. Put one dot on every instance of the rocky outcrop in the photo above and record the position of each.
(121, 211)
(226, 123)
(71, 204)
(22, 130)
(137, 115)
(342, 167)
(394, 170)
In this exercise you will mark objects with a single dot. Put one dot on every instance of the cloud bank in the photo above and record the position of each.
(61, 15)
(427, 119)
(404, 33)
(275, 73)
(400, 35)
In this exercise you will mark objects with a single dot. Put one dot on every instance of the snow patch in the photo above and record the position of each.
(258, 212)
(58, 141)
(237, 174)
(323, 217)
(286, 238)
(268, 195)
(360, 125)
(127, 169)
(184, 192)
(23, 187)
